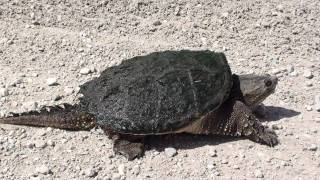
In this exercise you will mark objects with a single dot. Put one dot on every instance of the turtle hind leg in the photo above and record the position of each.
(130, 147)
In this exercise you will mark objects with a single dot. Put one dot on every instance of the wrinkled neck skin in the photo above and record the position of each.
(252, 89)
(236, 93)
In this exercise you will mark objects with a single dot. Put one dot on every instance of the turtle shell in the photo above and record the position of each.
(158, 93)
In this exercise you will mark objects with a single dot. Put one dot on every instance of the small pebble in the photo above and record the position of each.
(43, 170)
(224, 161)
(307, 74)
(170, 152)
(136, 170)
(85, 71)
(225, 14)
(52, 81)
(40, 144)
(275, 71)
(294, 74)
(68, 91)
(312, 147)
(308, 108)
(30, 144)
(90, 172)
(41, 132)
(116, 176)
(122, 169)
(4, 92)
(258, 174)
(290, 69)
(211, 166)
(317, 102)
(309, 84)
(285, 163)
(157, 23)
(236, 167)
(276, 127)
(213, 153)
(216, 173)
(57, 97)
(31, 105)
(280, 8)
(51, 143)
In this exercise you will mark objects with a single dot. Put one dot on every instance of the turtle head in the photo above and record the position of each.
(255, 88)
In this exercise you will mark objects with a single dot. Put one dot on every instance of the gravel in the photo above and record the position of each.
(61, 39)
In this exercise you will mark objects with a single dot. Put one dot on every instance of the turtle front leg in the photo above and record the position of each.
(236, 119)
(249, 126)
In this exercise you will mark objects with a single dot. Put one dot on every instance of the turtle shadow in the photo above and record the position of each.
(186, 141)
(274, 113)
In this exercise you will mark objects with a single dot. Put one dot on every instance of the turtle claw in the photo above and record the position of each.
(268, 137)
(130, 150)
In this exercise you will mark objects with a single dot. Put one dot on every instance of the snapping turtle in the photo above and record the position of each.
(162, 93)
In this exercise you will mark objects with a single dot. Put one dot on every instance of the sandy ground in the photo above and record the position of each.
(70, 42)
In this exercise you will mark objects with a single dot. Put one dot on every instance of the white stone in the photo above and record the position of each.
(308, 108)
(290, 69)
(211, 166)
(258, 174)
(213, 153)
(307, 74)
(4, 92)
(116, 176)
(294, 74)
(90, 172)
(275, 71)
(85, 71)
(224, 161)
(30, 144)
(51, 81)
(312, 147)
(43, 170)
(68, 90)
(136, 170)
(51, 143)
(40, 144)
(31, 105)
(170, 152)
(309, 84)
(122, 169)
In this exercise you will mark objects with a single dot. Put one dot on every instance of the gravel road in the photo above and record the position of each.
(50, 47)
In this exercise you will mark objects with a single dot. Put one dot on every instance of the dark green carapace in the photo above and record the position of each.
(158, 93)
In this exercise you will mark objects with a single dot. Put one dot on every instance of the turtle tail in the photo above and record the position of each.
(64, 116)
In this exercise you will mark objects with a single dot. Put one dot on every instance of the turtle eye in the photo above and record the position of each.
(268, 83)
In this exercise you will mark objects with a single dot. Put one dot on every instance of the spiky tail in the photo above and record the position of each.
(63, 117)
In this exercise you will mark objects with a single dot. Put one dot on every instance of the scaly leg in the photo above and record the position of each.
(129, 146)
(236, 119)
